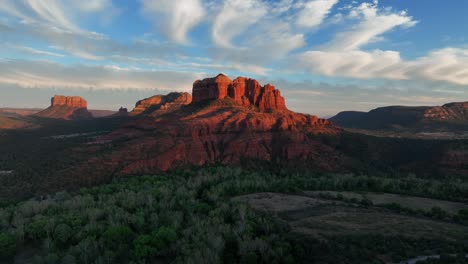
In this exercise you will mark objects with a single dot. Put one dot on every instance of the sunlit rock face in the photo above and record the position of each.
(161, 103)
(452, 111)
(228, 122)
(244, 91)
(66, 107)
(71, 101)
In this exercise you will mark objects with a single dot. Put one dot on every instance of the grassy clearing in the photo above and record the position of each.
(412, 202)
(324, 218)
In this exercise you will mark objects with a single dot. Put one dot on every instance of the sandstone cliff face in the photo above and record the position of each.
(211, 88)
(226, 131)
(70, 101)
(66, 107)
(245, 92)
(225, 135)
(161, 103)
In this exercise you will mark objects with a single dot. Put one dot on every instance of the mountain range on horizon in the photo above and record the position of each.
(448, 117)
(397, 118)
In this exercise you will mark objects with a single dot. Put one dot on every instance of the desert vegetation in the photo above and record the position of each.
(192, 216)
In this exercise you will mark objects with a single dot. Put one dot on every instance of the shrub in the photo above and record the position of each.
(62, 233)
(7, 245)
(143, 247)
(163, 237)
(117, 235)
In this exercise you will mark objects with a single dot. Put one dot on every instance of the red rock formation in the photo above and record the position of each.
(121, 113)
(227, 131)
(66, 107)
(71, 101)
(122, 110)
(452, 111)
(211, 88)
(244, 91)
(161, 103)
(218, 134)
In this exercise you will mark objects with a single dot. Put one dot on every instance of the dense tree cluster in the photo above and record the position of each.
(189, 216)
(142, 219)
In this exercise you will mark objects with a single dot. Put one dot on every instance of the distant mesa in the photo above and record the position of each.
(122, 110)
(449, 117)
(66, 107)
(121, 113)
(245, 91)
(159, 104)
(70, 101)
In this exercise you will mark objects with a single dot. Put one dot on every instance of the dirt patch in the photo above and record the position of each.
(277, 202)
(412, 202)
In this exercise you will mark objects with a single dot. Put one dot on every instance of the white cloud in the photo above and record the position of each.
(373, 22)
(313, 12)
(57, 14)
(38, 52)
(174, 18)
(93, 6)
(42, 74)
(234, 18)
(248, 36)
(254, 32)
(448, 65)
(344, 56)
(356, 64)
(56, 22)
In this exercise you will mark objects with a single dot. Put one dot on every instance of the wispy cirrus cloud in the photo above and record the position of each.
(312, 13)
(57, 14)
(174, 18)
(372, 23)
(234, 18)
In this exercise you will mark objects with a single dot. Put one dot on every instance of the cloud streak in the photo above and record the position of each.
(43, 74)
(174, 18)
(312, 13)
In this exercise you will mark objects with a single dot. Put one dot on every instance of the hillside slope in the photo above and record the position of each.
(449, 117)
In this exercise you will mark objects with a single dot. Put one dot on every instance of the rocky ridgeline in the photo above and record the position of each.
(245, 91)
(452, 111)
(161, 103)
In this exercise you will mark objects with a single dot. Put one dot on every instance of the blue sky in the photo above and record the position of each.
(324, 55)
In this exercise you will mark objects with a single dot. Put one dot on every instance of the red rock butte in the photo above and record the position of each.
(71, 101)
(245, 91)
(66, 107)
(241, 121)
